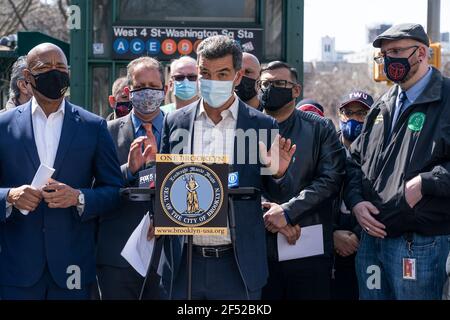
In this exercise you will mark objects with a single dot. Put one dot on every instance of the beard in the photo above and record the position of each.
(412, 72)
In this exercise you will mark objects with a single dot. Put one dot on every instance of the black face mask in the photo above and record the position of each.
(52, 84)
(273, 99)
(397, 69)
(123, 108)
(246, 89)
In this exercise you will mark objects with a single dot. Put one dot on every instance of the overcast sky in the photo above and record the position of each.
(347, 20)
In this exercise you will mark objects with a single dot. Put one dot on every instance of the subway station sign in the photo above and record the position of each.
(166, 43)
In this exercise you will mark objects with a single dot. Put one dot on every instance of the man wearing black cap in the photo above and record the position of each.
(344, 286)
(398, 177)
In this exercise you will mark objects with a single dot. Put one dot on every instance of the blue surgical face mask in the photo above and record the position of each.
(351, 129)
(185, 90)
(216, 93)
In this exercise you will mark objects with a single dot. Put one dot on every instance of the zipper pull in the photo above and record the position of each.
(410, 247)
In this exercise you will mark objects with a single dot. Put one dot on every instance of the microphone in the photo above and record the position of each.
(233, 177)
(233, 182)
(147, 178)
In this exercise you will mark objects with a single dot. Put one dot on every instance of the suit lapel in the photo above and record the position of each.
(125, 137)
(187, 123)
(69, 131)
(243, 123)
(243, 117)
(25, 127)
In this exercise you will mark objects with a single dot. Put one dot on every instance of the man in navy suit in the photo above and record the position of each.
(221, 124)
(47, 236)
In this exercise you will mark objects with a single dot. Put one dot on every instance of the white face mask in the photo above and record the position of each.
(216, 93)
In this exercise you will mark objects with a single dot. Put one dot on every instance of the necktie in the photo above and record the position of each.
(401, 103)
(148, 129)
(399, 110)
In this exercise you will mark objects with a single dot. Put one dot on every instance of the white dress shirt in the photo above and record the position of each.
(215, 139)
(47, 132)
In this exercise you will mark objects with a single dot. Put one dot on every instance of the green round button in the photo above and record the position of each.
(416, 121)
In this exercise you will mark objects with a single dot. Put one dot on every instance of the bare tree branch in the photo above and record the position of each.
(22, 10)
(47, 17)
(62, 9)
(6, 21)
(19, 15)
(11, 25)
(327, 85)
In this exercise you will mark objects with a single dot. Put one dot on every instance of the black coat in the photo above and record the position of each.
(380, 167)
(317, 170)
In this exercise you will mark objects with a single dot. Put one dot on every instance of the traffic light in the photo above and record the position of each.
(378, 69)
(435, 55)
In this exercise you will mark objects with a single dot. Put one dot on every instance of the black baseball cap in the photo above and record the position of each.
(357, 96)
(403, 31)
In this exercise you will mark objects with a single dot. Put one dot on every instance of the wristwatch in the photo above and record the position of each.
(81, 199)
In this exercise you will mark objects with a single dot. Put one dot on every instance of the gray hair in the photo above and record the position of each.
(216, 47)
(182, 59)
(119, 85)
(148, 62)
(16, 75)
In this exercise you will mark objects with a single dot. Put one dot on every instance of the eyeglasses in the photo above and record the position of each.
(393, 52)
(181, 77)
(265, 84)
(350, 113)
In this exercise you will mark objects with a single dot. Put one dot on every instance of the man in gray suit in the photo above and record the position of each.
(136, 137)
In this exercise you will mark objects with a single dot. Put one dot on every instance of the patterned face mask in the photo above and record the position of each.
(147, 100)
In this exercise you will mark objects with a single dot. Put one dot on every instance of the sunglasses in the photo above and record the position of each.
(181, 77)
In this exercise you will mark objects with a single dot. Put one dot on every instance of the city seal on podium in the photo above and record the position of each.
(191, 195)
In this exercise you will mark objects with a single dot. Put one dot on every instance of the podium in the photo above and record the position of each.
(234, 194)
